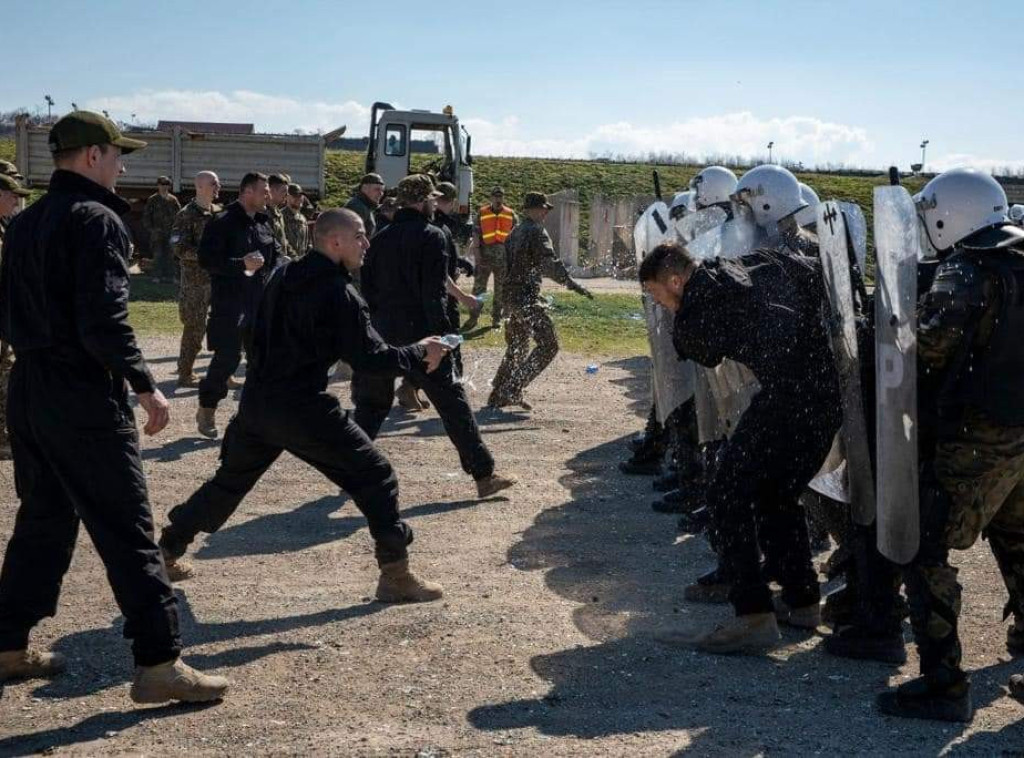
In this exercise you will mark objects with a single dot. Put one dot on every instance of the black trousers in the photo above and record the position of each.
(316, 430)
(224, 338)
(76, 459)
(374, 394)
(753, 497)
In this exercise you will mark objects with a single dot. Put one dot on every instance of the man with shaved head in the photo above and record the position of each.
(311, 316)
(194, 290)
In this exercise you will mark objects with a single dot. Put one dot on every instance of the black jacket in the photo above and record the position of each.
(453, 227)
(311, 316)
(403, 279)
(226, 241)
(766, 311)
(64, 284)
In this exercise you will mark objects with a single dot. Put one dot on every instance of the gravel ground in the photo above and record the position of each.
(542, 646)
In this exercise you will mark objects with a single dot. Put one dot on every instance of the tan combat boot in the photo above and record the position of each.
(399, 585)
(178, 569)
(807, 617)
(175, 680)
(187, 379)
(29, 664)
(206, 422)
(753, 633)
(408, 398)
(492, 485)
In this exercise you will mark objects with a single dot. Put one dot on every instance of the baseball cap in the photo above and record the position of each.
(164, 180)
(371, 179)
(536, 200)
(85, 128)
(415, 189)
(294, 190)
(8, 168)
(10, 184)
(448, 191)
(497, 191)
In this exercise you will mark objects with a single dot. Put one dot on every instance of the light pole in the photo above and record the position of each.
(770, 146)
(924, 148)
(49, 108)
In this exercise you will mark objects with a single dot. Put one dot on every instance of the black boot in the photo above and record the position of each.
(864, 642)
(686, 499)
(942, 698)
(667, 481)
(712, 587)
(695, 522)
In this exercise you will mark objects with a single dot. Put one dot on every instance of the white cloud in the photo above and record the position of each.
(968, 160)
(270, 113)
(798, 138)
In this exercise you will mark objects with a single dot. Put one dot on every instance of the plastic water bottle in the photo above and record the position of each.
(452, 341)
(592, 368)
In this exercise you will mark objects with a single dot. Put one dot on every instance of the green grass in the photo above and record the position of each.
(609, 325)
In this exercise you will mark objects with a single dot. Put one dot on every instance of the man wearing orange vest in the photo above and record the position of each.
(494, 223)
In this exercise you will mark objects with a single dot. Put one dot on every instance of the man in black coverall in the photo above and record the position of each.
(404, 282)
(64, 285)
(781, 440)
(239, 251)
(311, 316)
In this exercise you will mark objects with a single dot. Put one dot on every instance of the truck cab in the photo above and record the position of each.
(391, 136)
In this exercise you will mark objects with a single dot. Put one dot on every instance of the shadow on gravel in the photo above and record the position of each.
(99, 659)
(636, 387)
(608, 552)
(307, 526)
(178, 449)
(93, 728)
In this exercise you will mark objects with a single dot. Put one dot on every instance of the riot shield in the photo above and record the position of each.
(672, 379)
(733, 239)
(832, 479)
(857, 231)
(835, 264)
(897, 250)
(694, 224)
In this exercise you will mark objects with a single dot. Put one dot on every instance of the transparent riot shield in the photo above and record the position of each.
(898, 250)
(835, 263)
(693, 225)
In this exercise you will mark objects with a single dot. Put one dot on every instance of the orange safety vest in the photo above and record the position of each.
(495, 227)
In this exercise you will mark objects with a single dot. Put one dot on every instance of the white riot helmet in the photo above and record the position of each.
(772, 193)
(713, 185)
(809, 195)
(681, 204)
(1016, 214)
(960, 203)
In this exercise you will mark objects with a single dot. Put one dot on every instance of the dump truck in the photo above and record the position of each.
(391, 135)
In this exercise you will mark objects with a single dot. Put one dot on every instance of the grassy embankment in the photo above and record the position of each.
(605, 326)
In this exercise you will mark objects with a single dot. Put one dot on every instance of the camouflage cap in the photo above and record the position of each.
(415, 189)
(164, 180)
(372, 179)
(448, 191)
(536, 200)
(9, 169)
(10, 184)
(498, 191)
(294, 190)
(85, 128)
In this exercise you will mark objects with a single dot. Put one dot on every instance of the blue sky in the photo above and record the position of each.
(858, 83)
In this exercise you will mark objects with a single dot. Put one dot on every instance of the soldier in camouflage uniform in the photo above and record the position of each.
(11, 195)
(278, 201)
(972, 430)
(194, 291)
(531, 256)
(296, 226)
(157, 219)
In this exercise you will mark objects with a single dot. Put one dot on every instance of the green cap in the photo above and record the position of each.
(85, 128)
(294, 190)
(415, 189)
(536, 200)
(448, 191)
(497, 191)
(10, 184)
(9, 169)
(372, 179)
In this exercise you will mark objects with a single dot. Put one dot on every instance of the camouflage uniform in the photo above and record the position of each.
(531, 256)
(973, 463)
(276, 216)
(157, 219)
(297, 230)
(194, 292)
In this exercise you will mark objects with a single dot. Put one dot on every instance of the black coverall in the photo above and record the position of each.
(310, 317)
(64, 285)
(233, 295)
(765, 311)
(403, 280)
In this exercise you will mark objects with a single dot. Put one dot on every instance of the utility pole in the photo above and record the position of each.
(49, 109)
(924, 148)
(770, 146)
